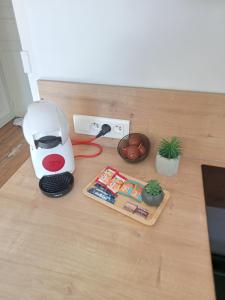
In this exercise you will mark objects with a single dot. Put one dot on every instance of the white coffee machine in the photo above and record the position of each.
(46, 130)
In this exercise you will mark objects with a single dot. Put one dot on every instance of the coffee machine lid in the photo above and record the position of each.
(44, 119)
(56, 185)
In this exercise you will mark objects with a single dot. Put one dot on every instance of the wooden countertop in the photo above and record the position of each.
(75, 248)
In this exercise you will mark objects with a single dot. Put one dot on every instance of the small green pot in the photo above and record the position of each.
(152, 200)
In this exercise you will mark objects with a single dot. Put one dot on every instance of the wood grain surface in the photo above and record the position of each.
(13, 151)
(197, 118)
(75, 248)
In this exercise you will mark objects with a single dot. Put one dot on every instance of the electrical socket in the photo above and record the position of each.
(91, 125)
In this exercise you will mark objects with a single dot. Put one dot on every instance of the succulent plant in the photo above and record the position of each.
(153, 188)
(170, 149)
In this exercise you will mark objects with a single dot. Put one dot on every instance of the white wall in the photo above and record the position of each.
(6, 110)
(177, 44)
(14, 81)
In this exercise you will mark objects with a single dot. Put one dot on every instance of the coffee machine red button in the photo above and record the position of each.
(53, 162)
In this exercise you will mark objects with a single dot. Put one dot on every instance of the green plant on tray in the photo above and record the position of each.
(170, 149)
(153, 188)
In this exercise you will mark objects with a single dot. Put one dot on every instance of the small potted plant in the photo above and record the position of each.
(168, 156)
(152, 193)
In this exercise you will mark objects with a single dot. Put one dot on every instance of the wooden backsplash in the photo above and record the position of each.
(197, 118)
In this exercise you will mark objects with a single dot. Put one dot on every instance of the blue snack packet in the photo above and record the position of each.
(104, 195)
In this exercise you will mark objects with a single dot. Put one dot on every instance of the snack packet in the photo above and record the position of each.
(126, 187)
(102, 195)
(142, 212)
(129, 206)
(136, 192)
(116, 183)
(106, 175)
(132, 189)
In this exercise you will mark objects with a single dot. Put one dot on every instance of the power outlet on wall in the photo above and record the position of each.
(91, 125)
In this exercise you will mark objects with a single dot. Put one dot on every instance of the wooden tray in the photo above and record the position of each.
(154, 212)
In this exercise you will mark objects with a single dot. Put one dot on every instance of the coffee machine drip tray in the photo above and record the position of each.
(56, 185)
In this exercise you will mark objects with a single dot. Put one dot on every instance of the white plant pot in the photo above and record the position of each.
(166, 166)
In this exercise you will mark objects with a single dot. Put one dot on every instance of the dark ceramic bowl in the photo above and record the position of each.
(134, 147)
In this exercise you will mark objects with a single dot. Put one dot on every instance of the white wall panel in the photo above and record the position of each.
(176, 44)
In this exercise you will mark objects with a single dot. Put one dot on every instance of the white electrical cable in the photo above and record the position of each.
(18, 122)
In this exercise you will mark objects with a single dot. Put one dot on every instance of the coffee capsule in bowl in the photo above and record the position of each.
(134, 147)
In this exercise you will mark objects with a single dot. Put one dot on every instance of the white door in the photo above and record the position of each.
(27, 55)
(15, 90)
(6, 109)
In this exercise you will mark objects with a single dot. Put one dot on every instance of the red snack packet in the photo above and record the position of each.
(116, 182)
(106, 176)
